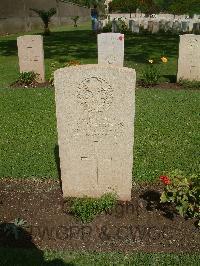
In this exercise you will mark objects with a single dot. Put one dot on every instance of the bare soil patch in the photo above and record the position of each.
(140, 225)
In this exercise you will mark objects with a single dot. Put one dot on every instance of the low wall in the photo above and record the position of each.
(16, 16)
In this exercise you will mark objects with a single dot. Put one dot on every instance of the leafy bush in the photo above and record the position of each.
(189, 84)
(151, 73)
(122, 26)
(27, 78)
(75, 20)
(13, 229)
(107, 27)
(184, 192)
(87, 208)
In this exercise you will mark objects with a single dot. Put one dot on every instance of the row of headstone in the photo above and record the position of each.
(93, 116)
(110, 52)
(139, 15)
(31, 52)
(155, 26)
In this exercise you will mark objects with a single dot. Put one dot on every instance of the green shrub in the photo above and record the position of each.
(189, 84)
(27, 78)
(184, 192)
(75, 20)
(13, 229)
(87, 208)
(107, 27)
(122, 26)
(150, 75)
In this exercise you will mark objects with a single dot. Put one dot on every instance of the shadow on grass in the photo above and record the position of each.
(17, 248)
(66, 45)
(77, 44)
(140, 48)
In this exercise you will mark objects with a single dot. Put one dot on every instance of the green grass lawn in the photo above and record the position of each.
(166, 126)
(167, 132)
(20, 257)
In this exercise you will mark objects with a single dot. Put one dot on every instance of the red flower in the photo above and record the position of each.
(165, 180)
(121, 38)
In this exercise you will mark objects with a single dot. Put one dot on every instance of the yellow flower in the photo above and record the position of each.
(150, 61)
(164, 59)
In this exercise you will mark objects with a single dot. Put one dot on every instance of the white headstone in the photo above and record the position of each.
(95, 108)
(31, 55)
(189, 57)
(134, 26)
(111, 49)
(155, 27)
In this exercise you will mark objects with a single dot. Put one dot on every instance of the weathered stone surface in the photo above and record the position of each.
(31, 55)
(134, 26)
(155, 27)
(95, 107)
(185, 26)
(176, 28)
(189, 57)
(114, 26)
(150, 26)
(111, 49)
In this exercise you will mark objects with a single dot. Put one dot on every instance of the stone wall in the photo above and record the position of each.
(15, 16)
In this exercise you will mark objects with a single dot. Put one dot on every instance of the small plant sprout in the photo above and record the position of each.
(87, 208)
(27, 78)
(151, 73)
(75, 20)
(14, 229)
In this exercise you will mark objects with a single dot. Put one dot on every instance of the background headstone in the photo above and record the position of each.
(185, 26)
(31, 55)
(176, 27)
(134, 26)
(150, 26)
(189, 57)
(162, 25)
(196, 28)
(95, 108)
(168, 26)
(155, 27)
(114, 26)
(145, 24)
(111, 49)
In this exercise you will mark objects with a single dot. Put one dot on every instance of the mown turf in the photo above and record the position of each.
(166, 133)
(20, 257)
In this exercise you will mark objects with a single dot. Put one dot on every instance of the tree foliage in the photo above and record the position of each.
(185, 7)
(129, 6)
(155, 6)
